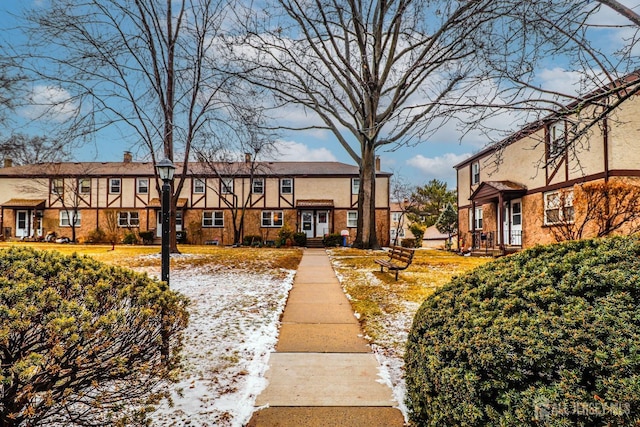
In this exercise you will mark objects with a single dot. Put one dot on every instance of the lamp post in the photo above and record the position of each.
(166, 170)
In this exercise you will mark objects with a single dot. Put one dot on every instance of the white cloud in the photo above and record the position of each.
(292, 151)
(560, 80)
(50, 103)
(439, 167)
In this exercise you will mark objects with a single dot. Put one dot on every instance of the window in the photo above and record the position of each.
(213, 219)
(226, 185)
(516, 213)
(198, 186)
(352, 219)
(257, 186)
(478, 219)
(84, 185)
(115, 185)
(57, 186)
(128, 219)
(143, 185)
(558, 207)
(66, 217)
(272, 219)
(355, 185)
(286, 186)
(475, 173)
(557, 133)
(395, 217)
(179, 220)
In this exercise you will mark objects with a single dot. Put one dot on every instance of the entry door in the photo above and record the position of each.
(513, 217)
(22, 223)
(307, 223)
(159, 222)
(322, 223)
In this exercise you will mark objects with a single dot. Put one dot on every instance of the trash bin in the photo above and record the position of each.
(344, 234)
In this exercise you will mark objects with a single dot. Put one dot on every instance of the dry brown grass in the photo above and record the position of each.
(387, 307)
(220, 258)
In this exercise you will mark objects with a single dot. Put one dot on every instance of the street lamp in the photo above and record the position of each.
(165, 170)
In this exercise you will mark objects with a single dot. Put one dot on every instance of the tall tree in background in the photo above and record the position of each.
(148, 67)
(429, 201)
(23, 149)
(374, 74)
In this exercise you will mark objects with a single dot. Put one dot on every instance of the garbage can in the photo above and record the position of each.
(345, 235)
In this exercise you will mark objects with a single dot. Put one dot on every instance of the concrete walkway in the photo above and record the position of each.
(323, 372)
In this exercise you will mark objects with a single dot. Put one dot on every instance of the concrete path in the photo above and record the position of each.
(323, 372)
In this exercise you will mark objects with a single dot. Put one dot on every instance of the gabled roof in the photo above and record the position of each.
(490, 190)
(25, 203)
(239, 169)
(618, 86)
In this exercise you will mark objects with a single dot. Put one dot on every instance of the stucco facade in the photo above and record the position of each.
(517, 193)
(316, 198)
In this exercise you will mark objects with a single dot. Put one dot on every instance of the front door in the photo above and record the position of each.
(22, 224)
(159, 222)
(307, 223)
(322, 223)
(513, 223)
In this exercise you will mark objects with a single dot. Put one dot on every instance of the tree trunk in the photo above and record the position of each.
(366, 237)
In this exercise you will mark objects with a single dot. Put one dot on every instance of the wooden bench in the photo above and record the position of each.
(399, 259)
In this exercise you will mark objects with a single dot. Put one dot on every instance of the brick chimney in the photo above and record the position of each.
(377, 163)
(128, 157)
(247, 157)
(8, 163)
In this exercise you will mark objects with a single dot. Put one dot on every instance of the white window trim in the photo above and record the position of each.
(57, 189)
(475, 173)
(567, 196)
(226, 185)
(65, 220)
(290, 186)
(255, 186)
(198, 186)
(271, 223)
(557, 135)
(138, 182)
(81, 189)
(128, 219)
(215, 219)
(478, 218)
(355, 185)
(352, 219)
(111, 181)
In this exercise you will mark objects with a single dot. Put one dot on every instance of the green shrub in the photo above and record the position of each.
(96, 236)
(300, 239)
(130, 239)
(332, 240)
(146, 236)
(252, 240)
(80, 339)
(408, 243)
(549, 336)
(285, 235)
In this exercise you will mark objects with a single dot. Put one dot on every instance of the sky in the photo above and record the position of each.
(415, 165)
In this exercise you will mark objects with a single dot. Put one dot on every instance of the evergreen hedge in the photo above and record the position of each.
(549, 336)
(81, 341)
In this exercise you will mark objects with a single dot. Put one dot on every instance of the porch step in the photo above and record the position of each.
(315, 242)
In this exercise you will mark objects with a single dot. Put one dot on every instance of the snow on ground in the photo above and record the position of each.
(233, 327)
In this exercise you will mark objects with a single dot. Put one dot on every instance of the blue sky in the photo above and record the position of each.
(416, 165)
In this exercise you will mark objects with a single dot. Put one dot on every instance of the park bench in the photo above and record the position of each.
(399, 259)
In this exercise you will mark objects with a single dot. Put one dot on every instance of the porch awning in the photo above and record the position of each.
(25, 203)
(491, 190)
(155, 203)
(314, 203)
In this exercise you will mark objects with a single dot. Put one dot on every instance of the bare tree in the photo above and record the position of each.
(148, 67)
(374, 74)
(23, 149)
(596, 209)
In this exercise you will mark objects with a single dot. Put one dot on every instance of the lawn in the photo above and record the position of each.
(238, 295)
